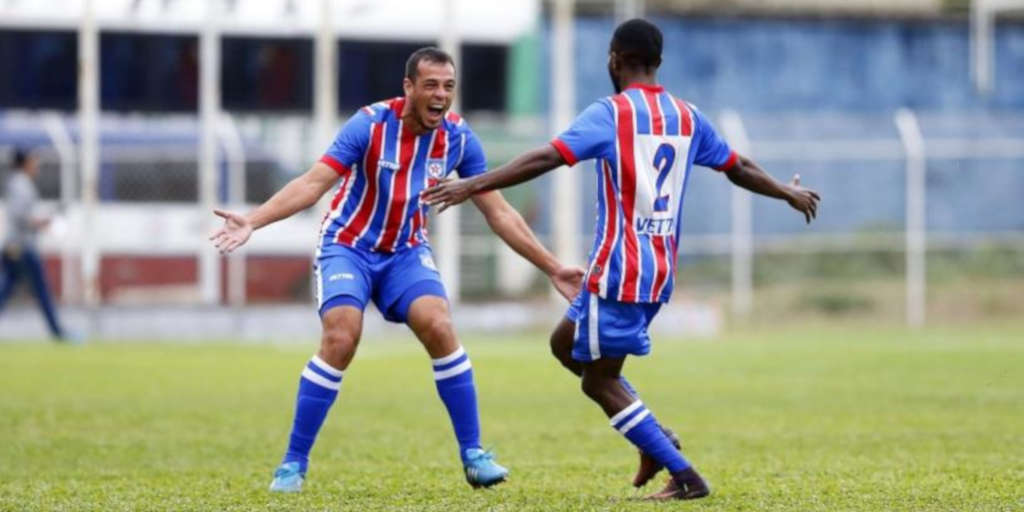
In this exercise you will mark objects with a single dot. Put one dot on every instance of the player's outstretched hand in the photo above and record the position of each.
(447, 193)
(568, 281)
(803, 200)
(236, 231)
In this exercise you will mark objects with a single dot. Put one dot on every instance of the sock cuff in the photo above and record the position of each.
(450, 358)
(626, 419)
(322, 365)
(452, 365)
(322, 374)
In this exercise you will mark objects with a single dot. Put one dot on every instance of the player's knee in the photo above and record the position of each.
(438, 329)
(338, 342)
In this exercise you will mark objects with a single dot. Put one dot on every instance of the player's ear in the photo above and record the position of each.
(407, 86)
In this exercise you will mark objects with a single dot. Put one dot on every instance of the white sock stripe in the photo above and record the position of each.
(453, 371)
(621, 415)
(633, 422)
(319, 380)
(320, 363)
(450, 357)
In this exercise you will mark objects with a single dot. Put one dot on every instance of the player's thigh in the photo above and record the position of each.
(404, 279)
(342, 277)
(561, 344)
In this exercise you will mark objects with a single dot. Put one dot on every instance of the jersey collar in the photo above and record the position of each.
(646, 87)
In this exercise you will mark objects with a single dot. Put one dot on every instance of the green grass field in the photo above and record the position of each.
(824, 418)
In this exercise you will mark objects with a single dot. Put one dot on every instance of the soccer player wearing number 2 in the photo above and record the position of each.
(644, 141)
(373, 247)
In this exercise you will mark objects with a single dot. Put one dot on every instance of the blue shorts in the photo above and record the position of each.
(352, 277)
(609, 328)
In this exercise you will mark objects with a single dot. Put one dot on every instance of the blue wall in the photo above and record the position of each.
(766, 65)
(805, 80)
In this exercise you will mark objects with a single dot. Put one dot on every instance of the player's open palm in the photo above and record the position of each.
(568, 281)
(236, 231)
(803, 200)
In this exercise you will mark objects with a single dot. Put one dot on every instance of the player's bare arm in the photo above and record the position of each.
(299, 194)
(523, 168)
(508, 224)
(747, 174)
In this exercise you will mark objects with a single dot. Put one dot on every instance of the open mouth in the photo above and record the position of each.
(435, 111)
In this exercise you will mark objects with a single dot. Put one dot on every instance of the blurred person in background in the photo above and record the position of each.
(20, 255)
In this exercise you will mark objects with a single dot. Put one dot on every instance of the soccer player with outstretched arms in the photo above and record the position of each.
(644, 141)
(373, 246)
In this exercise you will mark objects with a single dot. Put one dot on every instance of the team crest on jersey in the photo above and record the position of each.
(427, 261)
(435, 168)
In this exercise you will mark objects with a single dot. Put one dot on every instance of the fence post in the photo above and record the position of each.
(742, 251)
(565, 189)
(89, 141)
(913, 145)
(209, 112)
(448, 242)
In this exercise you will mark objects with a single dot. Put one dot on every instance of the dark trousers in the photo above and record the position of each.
(26, 263)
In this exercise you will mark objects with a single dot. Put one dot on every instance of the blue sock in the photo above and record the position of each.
(318, 387)
(639, 426)
(453, 375)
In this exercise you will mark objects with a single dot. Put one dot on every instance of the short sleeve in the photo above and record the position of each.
(712, 150)
(472, 161)
(591, 135)
(350, 143)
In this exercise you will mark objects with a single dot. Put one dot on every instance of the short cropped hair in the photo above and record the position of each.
(19, 157)
(638, 42)
(429, 54)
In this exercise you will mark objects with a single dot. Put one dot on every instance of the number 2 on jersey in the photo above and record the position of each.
(664, 159)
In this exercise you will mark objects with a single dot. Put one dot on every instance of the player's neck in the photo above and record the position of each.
(410, 122)
(647, 79)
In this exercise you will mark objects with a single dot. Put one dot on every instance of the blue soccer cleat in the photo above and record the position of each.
(481, 470)
(287, 478)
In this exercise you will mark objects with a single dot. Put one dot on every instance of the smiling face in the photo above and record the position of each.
(429, 94)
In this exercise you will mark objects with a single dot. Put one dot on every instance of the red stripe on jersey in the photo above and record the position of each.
(611, 216)
(348, 234)
(454, 118)
(333, 163)
(657, 118)
(627, 191)
(661, 272)
(397, 104)
(399, 194)
(685, 121)
(440, 147)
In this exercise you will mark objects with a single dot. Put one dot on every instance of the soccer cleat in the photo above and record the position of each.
(685, 485)
(287, 478)
(650, 467)
(481, 470)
